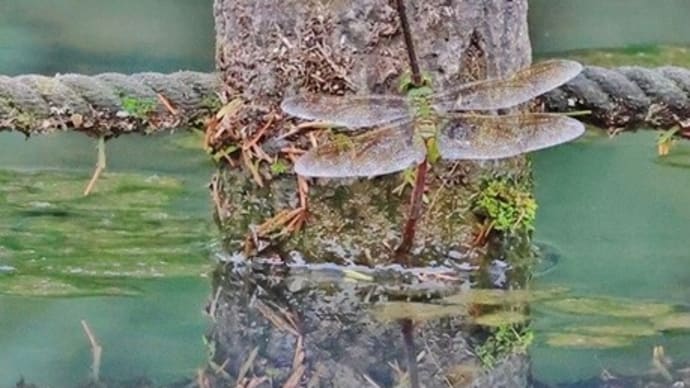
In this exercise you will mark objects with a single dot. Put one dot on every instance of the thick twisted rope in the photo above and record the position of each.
(626, 97)
(111, 104)
(106, 104)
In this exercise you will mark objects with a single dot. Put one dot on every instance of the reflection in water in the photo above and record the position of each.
(337, 327)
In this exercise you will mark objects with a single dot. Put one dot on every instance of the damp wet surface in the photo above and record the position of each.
(133, 260)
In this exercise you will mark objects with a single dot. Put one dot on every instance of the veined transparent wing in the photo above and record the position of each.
(378, 152)
(499, 93)
(467, 136)
(348, 111)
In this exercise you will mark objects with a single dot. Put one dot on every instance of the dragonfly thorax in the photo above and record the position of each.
(423, 113)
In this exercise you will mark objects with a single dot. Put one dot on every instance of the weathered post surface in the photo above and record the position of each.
(267, 49)
(318, 326)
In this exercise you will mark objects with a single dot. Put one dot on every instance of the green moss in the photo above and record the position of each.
(137, 107)
(505, 205)
(279, 167)
(503, 341)
(5, 104)
(24, 120)
(212, 103)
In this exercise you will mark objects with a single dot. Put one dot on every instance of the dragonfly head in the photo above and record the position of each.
(406, 84)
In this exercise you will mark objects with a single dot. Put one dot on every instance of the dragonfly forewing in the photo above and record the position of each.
(495, 137)
(349, 112)
(520, 87)
(378, 152)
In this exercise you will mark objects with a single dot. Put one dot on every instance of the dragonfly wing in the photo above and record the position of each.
(378, 152)
(520, 87)
(496, 137)
(348, 111)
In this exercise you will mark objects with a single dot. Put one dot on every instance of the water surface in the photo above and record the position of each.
(617, 214)
(614, 212)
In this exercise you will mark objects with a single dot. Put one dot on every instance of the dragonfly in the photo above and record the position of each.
(383, 134)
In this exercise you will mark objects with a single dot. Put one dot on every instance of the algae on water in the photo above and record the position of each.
(56, 239)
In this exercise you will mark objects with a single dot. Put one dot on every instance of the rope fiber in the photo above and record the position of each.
(628, 97)
(107, 104)
(110, 104)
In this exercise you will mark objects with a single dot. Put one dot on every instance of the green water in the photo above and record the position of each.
(144, 233)
(611, 208)
(156, 334)
(562, 25)
(617, 213)
(89, 37)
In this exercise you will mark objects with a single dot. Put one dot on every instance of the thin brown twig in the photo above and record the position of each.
(273, 317)
(247, 365)
(261, 154)
(96, 351)
(298, 367)
(256, 381)
(246, 159)
(292, 151)
(167, 104)
(100, 165)
(254, 140)
(217, 198)
(214, 303)
(302, 126)
(370, 381)
(201, 379)
(92, 182)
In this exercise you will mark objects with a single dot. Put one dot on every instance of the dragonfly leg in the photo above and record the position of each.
(408, 178)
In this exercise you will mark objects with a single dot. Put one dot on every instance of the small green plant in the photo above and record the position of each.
(666, 141)
(212, 103)
(505, 340)
(136, 107)
(507, 207)
(278, 167)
